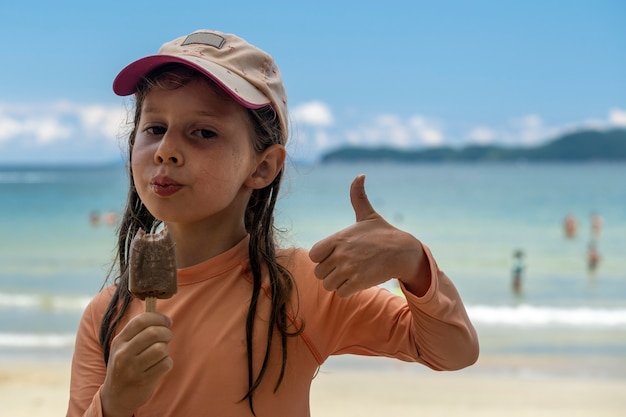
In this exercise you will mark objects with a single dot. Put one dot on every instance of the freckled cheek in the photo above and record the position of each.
(229, 169)
(217, 178)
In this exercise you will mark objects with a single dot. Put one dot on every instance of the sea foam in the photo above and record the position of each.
(537, 316)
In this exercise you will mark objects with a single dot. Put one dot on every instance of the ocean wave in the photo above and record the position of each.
(44, 302)
(33, 340)
(534, 316)
(523, 315)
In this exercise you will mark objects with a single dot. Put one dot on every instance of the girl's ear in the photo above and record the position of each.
(269, 164)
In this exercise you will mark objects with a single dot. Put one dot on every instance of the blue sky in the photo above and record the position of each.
(409, 74)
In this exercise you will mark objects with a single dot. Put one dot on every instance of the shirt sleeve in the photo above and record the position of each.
(88, 368)
(440, 328)
(433, 329)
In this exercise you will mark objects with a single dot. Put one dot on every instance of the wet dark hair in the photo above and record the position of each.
(259, 223)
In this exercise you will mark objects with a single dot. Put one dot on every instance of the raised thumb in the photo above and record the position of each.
(360, 203)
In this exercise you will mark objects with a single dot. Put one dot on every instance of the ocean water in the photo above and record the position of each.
(473, 217)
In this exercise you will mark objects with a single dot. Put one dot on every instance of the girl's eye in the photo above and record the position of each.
(204, 133)
(156, 130)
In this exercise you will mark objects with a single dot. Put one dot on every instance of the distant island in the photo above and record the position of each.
(583, 146)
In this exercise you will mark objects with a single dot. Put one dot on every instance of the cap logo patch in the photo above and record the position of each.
(205, 38)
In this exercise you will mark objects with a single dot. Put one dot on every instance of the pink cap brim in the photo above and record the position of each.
(239, 89)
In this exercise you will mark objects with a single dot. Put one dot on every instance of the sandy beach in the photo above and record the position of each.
(31, 388)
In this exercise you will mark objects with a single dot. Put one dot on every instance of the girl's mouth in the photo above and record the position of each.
(164, 186)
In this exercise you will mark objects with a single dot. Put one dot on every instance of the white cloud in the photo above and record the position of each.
(482, 135)
(314, 113)
(530, 130)
(8, 127)
(48, 129)
(387, 130)
(40, 128)
(391, 130)
(429, 131)
(52, 122)
(60, 130)
(617, 117)
(103, 120)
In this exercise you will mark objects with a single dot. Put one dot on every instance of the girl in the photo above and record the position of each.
(251, 323)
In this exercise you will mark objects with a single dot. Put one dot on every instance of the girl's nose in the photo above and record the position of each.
(168, 151)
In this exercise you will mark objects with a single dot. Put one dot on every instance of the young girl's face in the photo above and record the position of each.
(193, 157)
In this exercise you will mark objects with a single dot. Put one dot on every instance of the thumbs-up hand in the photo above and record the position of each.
(369, 252)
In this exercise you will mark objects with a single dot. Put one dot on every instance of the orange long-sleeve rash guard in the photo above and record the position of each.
(210, 373)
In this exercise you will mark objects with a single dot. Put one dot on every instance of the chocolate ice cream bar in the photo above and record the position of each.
(152, 264)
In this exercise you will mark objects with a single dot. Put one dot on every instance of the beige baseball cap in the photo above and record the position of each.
(248, 74)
